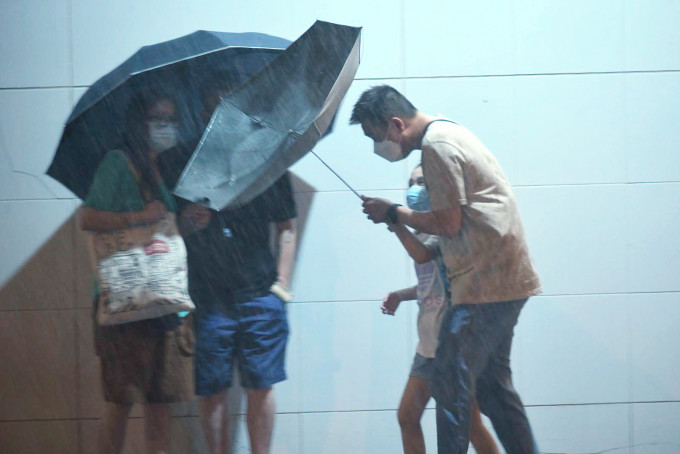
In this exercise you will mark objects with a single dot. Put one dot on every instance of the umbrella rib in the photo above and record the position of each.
(190, 57)
(259, 121)
(337, 81)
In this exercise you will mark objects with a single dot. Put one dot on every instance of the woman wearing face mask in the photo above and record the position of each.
(431, 296)
(147, 361)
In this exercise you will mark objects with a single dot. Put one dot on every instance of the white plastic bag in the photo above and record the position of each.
(142, 272)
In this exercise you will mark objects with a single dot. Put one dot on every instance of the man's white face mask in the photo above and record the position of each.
(162, 135)
(388, 149)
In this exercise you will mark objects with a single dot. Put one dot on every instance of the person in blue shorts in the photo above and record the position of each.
(240, 287)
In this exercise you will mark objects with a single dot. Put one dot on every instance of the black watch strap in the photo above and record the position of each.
(392, 214)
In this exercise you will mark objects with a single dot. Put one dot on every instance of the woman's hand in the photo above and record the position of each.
(93, 220)
(153, 212)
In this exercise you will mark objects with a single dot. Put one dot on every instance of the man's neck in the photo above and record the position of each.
(419, 124)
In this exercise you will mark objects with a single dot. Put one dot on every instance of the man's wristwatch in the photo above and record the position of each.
(392, 214)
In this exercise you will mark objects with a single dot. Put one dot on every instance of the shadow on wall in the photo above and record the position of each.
(50, 398)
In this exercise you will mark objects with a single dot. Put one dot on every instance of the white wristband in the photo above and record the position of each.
(283, 293)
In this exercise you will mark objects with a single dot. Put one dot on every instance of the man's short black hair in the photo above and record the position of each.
(378, 104)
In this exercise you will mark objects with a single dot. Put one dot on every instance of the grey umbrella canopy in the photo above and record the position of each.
(177, 66)
(271, 121)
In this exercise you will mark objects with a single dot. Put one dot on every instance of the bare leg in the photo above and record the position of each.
(261, 408)
(215, 421)
(157, 419)
(479, 436)
(112, 428)
(413, 402)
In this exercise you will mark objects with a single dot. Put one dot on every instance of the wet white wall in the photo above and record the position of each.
(578, 100)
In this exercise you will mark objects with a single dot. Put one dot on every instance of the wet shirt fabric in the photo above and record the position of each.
(432, 300)
(488, 260)
(232, 257)
(115, 187)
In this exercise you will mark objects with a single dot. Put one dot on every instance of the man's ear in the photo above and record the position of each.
(398, 123)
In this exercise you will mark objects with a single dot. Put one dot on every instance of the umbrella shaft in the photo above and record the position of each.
(335, 173)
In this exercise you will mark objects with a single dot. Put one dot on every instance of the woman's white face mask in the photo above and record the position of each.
(162, 135)
(388, 149)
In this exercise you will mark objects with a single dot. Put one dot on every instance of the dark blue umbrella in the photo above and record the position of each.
(271, 121)
(178, 66)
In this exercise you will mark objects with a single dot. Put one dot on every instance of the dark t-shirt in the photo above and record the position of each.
(231, 260)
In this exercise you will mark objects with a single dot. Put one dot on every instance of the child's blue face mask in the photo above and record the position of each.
(418, 199)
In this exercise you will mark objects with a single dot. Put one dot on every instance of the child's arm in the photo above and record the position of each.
(391, 300)
(415, 248)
